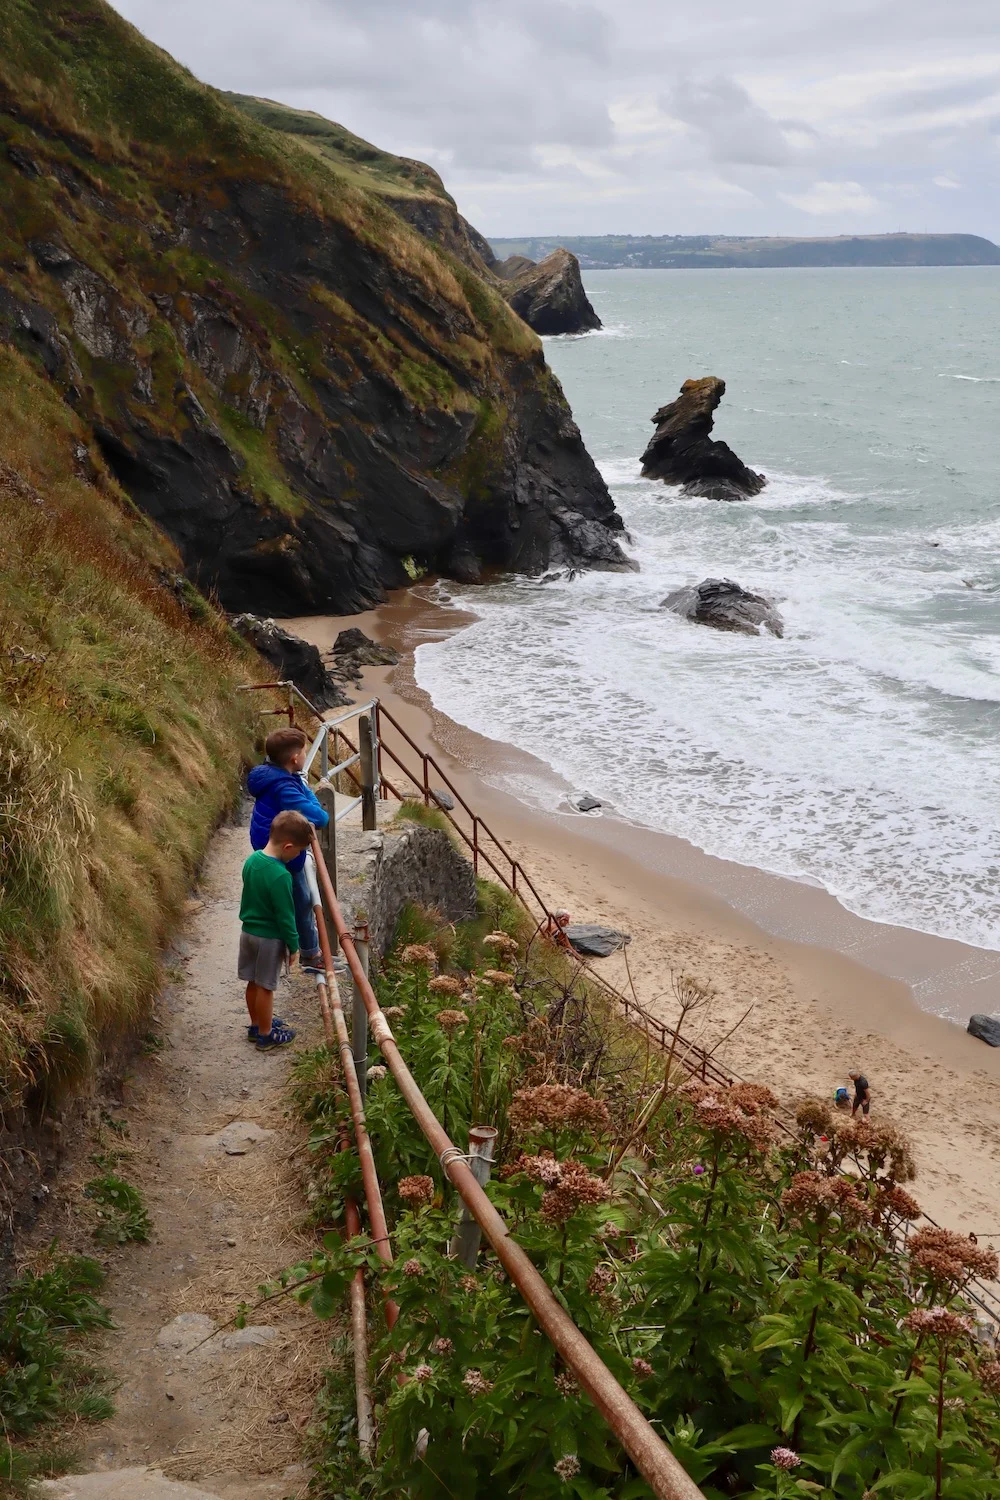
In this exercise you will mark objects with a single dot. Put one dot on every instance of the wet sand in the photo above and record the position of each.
(827, 991)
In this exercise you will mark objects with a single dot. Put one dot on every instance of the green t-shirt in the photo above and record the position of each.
(267, 909)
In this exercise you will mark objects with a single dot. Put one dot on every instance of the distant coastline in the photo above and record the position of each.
(613, 252)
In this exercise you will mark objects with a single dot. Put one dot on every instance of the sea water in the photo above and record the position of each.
(861, 751)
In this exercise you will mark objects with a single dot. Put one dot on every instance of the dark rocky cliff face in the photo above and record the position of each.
(310, 399)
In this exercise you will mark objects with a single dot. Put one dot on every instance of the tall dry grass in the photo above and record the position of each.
(121, 739)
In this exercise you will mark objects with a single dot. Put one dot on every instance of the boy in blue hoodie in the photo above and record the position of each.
(278, 786)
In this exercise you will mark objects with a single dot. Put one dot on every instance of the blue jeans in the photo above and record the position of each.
(305, 919)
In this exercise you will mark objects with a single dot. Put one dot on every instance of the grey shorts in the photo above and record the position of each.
(260, 960)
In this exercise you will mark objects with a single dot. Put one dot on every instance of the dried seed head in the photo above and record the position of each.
(499, 977)
(476, 1383)
(939, 1322)
(555, 1105)
(468, 1283)
(500, 942)
(444, 1347)
(881, 1142)
(418, 955)
(810, 1193)
(416, 1191)
(445, 984)
(946, 1256)
(412, 1268)
(566, 1385)
(576, 1189)
(989, 1376)
(393, 1012)
(814, 1116)
(375, 1073)
(451, 1020)
(896, 1200)
(600, 1278)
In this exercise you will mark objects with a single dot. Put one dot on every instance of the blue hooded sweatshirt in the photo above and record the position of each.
(276, 790)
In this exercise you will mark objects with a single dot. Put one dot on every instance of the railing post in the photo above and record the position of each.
(328, 835)
(475, 845)
(359, 1012)
(376, 751)
(465, 1242)
(324, 753)
(367, 748)
(427, 783)
(291, 706)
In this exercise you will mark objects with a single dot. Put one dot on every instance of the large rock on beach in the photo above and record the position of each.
(986, 1028)
(293, 659)
(681, 451)
(353, 650)
(725, 605)
(549, 294)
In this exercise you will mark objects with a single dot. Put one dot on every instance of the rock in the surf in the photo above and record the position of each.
(681, 451)
(595, 941)
(549, 296)
(353, 650)
(295, 659)
(725, 605)
(986, 1028)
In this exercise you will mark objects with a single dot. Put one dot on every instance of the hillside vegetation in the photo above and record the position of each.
(308, 397)
(121, 738)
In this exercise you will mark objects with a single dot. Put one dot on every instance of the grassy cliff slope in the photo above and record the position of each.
(121, 737)
(305, 394)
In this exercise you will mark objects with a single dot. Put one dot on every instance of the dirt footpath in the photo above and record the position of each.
(221, 1169)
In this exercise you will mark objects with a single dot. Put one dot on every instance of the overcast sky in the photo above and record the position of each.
(596, 116)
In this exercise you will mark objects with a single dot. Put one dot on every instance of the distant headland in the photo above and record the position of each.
(707, 251)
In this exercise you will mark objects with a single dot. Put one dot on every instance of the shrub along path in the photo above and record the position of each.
(209, 1146)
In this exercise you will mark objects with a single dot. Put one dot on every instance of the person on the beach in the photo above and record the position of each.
(267, 913)
(279, 785)
(862, 1093)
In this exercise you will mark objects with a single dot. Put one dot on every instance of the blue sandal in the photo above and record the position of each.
(278, 1036)
(253, 1033)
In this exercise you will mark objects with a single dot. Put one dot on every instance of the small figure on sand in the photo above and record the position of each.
(862, 1093)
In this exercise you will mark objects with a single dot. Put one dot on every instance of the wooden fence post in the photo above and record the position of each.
(465, 1242)
(328, 835)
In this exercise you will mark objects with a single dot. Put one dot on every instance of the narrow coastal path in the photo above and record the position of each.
(217, 1162)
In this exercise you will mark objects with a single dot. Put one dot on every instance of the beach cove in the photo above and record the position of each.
(821, 987)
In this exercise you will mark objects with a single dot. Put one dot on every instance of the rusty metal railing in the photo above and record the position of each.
(665, 1475)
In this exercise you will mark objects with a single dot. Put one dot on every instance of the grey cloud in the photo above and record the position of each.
(733, 127)
(596, 115)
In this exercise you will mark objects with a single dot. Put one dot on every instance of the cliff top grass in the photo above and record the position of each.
(358, 160)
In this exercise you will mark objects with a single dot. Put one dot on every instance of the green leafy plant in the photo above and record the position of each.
(121, 1212)
(44, 1380)
(744, 1283)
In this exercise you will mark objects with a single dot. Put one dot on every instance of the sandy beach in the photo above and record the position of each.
(826, 991)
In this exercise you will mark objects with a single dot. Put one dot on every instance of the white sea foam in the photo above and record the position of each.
(976, 379)
(859, 752)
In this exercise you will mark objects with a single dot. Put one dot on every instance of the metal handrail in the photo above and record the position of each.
(654, 1460)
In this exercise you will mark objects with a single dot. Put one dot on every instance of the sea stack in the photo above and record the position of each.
(726, 605)
(681, 451)
(548, 294)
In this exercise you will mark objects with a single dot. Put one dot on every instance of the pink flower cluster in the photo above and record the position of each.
(739, 1110)
(946, 1256)
(939, 1322)
(811, 1194)
(416, 1191)
(555, 1105)
(785, 1458)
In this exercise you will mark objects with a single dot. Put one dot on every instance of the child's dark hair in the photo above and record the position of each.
(283, 743)
(290, 827)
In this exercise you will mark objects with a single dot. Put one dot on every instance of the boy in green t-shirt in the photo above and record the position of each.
(267, 912)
